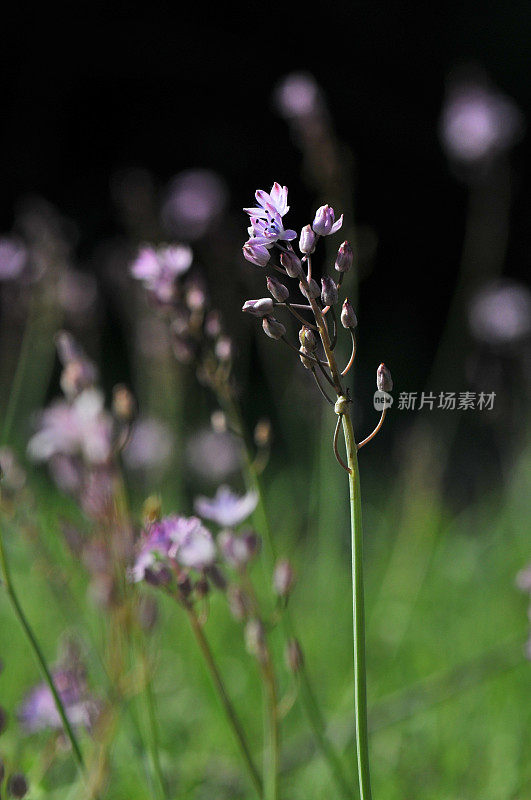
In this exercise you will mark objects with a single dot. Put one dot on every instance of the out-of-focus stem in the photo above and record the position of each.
(26, 627)
(271, 753)
(225, 701)
(360, 676)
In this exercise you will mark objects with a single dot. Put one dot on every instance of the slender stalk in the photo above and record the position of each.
(18, 378)
(226, 701)
(19, 613)
(375, 431)
(271, 753)
(360, 677)
(298, 316)
(154, 736)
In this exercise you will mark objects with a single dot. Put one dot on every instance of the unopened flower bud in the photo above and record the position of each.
(293, 656)
(307, 240)
(384, 381)
(283, 577)
(344, 258)
(325, 221)
(278, 290)
(258, 308)
(307, 338)
(348, 315)
(307, 363)
(255, 639)
(256, 253)
(123, 403)
(262, 433)
(329, 293)
(195, 297)
(17, 786)
(213, 324)
(312, 291)
(218, 420)
(292, 264)
(239, 602)
(273, 328)
(223, 348)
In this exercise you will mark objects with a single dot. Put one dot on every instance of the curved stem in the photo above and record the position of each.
(272, 737)
(334, 333)
(226, 701)
(328, 399)
(336, 451)
(19, 613)
(353, 354)
(375, 431)
(299, 316)
(360, 671)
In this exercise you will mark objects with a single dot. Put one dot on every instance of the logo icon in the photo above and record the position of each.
(382, 400)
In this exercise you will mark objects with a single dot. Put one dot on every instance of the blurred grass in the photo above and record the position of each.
(448, 683)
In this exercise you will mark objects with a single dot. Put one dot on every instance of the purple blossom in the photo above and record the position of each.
(194, 200)
(181, 539)
(13, 258)
(276, 202)
(269, 229)
(477, 122)
(213, 454)
(325, 222)
(256, 253)
(82, 427)
(149, 446)
(237, 549)
(227, 508)
(158, 268)
(38, 710)
(258, 308)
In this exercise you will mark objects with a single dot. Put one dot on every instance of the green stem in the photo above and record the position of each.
(18, 378)
(271, 753)
(19, 613)
(360, 670)
(226, 701)
(154, 736)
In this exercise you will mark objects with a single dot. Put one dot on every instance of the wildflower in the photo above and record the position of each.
(183, 539)
(213, 455)
(478, 122)
(258, 308)
(269, 229)
(500, 313)
(307, 338)
(298, 96)
(38, 710)
(344, 258)
(274, 202)
(149, 445)
(227, 508)
(256, 253)
(325, 222)
(312, 291)
(158, 268)
(193, 202)
(13, 258)
(82, 427)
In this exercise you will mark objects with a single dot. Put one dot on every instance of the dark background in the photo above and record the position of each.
(95, 90)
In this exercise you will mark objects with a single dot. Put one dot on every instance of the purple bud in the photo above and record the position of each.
(329, 293)
(259, 308)
(292, 264)
(307, 338)
(344, 258)
(293, 656)
(223, 348)
(239, 603)
(348, 316)
(283, 577)
(256, 253)
(278, 290)
(312, 291)
(384, 381)
(325, 222)
(307, 240)
(273, 328)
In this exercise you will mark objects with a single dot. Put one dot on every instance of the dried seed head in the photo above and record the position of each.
(344, 258)
(292, 264)
(307, 240)
(348, 316)
(329, 293)
(259, 308)
(312, 291)
(283, 577)
(384, 381)
(293, 656)
(277, 289)
(17, 785)
(307, 338)
(273, 328)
